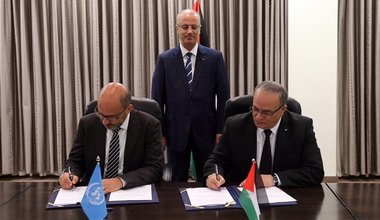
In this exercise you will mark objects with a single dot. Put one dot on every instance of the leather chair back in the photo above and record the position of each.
(241, 104)
(147, 105)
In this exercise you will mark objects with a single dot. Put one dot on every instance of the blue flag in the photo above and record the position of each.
(93, 201)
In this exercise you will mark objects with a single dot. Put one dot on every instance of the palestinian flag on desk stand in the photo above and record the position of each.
(203, 39)
(248, 197)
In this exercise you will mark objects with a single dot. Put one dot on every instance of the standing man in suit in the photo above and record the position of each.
(139, 154)
(294, 158)
(192, 93)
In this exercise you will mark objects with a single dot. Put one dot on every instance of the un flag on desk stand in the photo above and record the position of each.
(93, 201)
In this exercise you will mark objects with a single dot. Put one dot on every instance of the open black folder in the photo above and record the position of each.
(116, 201)
(202, 198)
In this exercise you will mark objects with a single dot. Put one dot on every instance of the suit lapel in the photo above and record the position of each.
(100, 142)
(253, 140)
(199, 66)
(283, 135)
(247, 138)
(177, 61)
(132, 131)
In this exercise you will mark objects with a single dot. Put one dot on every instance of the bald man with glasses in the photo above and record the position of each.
(127, 141)
(283, 144)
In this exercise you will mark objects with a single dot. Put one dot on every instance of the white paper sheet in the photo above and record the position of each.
(203, 196)
(70, 196)
(136, 193)
(75, 195)
(276, 195)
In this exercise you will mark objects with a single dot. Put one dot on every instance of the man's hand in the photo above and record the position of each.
(112, 185)
(213, 182)
(267, 180)
(66, 183)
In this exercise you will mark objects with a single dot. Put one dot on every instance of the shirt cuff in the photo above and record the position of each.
(123, 182)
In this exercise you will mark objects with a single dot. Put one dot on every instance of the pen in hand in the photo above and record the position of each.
(71, 176)
(217, 174)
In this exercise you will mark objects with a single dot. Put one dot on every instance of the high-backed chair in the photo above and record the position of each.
(147, 105)
(241, 104)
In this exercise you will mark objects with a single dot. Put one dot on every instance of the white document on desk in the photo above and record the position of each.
(75, 195)
(203, 196)
(70, 196)
(276, 196)
(135, 193)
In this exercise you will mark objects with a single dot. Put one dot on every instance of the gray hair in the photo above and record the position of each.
(188, 11)
(275, 88)
(126, 98)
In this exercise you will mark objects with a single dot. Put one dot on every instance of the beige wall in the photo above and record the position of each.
(313, 69)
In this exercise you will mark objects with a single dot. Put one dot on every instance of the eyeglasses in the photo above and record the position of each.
(265, 113)
(111, 118)
(185, 27)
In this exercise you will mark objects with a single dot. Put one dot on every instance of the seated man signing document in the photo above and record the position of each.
(283, 144)
(127, 141)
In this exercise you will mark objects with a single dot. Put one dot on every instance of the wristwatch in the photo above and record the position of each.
(275, 179)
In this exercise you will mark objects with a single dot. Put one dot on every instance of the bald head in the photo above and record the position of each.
(113, 97)
(114, 105)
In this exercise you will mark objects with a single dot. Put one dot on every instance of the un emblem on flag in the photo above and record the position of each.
(94, 194)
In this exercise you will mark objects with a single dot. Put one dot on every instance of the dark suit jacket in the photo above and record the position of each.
(183, 109)
(143, 157)
(297, 159)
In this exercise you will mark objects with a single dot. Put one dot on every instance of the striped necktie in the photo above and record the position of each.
(113, 155)
(189, 69)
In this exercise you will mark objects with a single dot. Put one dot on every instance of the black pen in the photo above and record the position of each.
(70, 174)
(217, 174)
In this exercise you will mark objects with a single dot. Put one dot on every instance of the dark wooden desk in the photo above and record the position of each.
(9, 190)
(313, 203)
(362, 199)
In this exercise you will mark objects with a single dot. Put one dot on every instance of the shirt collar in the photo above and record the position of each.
(184, 51)
(125, 124)
(274, 129)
